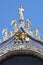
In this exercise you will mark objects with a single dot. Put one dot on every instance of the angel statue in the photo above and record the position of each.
(37, 32)
(28, 24)
(15, 26)
(5, 34)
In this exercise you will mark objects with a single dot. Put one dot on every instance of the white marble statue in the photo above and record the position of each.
(5, 34)
(28, 24)
(37, 32)
(21, 10)
(15, 26)
(21, 16)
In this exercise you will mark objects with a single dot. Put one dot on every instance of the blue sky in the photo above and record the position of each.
(33, 9)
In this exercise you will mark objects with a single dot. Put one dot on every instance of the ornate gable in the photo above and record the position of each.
(22, 40)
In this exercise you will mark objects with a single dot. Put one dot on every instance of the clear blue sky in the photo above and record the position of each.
(9, 10)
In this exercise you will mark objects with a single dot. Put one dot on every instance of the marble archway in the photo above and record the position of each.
(21, 57)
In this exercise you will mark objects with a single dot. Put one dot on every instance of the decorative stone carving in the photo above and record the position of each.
(22, 39)
(16, 27)
(13, 47)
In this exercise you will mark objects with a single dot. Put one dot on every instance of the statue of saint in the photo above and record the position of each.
(21, 10)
